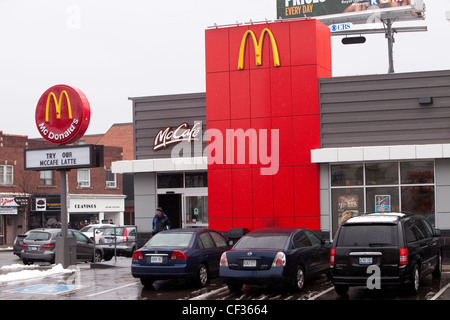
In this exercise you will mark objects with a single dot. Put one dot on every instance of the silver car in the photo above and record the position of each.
(119, 241)
(39, 245)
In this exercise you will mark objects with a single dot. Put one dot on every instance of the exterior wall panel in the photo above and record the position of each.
(152, 114)
(385, 109)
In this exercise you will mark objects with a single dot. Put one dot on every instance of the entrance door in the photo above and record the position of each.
(196, 207)
(171, 205)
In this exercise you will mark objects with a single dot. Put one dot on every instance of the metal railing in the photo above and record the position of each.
(98, 242)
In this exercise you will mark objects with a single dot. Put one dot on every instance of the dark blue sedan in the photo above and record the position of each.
(275, 256)
(179, 254)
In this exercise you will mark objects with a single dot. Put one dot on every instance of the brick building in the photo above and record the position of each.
(30, 199)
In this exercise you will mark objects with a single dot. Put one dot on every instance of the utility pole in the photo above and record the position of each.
(389, 33)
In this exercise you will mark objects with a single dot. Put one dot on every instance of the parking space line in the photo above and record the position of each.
(440, 292)
(109, 290)
(321, 293)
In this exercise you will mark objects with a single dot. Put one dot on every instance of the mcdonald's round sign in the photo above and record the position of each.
(62, 114)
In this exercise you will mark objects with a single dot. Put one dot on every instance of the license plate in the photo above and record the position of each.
(249, 263)
(156, 259)
(365, 260)
(33, 248)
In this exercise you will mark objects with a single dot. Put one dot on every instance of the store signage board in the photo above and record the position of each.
(356, 11)
(60, 158)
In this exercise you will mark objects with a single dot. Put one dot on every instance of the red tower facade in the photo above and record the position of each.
(263, 121)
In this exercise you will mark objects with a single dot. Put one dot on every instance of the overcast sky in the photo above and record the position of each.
(116, 49)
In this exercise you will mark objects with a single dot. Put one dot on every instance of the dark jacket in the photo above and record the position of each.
(161, 223)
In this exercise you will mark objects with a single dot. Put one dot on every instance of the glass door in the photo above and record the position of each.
(196, 211)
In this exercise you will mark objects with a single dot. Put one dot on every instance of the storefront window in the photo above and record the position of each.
(382, 173)
(170, 180)
(347, 175)
(417, 172)
(419, 200)
(382, 200)
(347, 203)
(376, 187)
(196, 179)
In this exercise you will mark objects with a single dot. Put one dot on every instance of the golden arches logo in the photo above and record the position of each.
(258, 48)
(57, 105)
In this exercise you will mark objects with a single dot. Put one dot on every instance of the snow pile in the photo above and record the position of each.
(30, 274)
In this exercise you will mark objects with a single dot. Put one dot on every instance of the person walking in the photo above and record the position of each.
(161, 221)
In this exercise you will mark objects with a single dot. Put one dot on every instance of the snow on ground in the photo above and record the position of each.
(28, 272)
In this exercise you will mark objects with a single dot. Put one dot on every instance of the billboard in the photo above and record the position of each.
(357, 11)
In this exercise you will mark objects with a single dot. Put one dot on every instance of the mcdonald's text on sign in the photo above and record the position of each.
(62, 114)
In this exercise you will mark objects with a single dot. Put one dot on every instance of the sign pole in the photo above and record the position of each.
(66, 247)
(64, 220)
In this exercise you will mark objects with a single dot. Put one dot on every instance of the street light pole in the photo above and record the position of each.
(391, 40)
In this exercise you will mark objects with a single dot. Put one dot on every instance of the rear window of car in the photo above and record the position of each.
(262, 241)
(180, 240)
(39, 236)
(367, 235)
(114, 231)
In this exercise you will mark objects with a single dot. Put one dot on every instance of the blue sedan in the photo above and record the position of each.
(179, 254)
(273, 256)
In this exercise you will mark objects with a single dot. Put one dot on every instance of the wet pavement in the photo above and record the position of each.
(113, 281)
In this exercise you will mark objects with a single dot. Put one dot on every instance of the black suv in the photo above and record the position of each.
(405, 247)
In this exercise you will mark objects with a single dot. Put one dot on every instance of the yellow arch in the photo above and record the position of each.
(258, 48)
(58, 105)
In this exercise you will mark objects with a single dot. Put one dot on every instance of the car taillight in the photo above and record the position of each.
(224, 260)
(137, 255)
(403, 255)
(178, 255)
(125, 236)
(332, 255)
(48, 246)
(280, 260)
(24, 245)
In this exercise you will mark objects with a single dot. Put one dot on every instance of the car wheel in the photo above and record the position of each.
(97, 256)
(146, 282)
(438, 271)
(341, 289)
(202, 276)
(299, 279)
(415, 280)
(27, 262)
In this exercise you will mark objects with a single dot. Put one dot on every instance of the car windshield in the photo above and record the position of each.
(170, 240)
(87, 229)
(262, 241)
(368, 235)
(39, 236)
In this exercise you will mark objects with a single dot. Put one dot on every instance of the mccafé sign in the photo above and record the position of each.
(62, 114)
(183, 132)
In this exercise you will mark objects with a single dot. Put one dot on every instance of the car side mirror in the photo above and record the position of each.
(437, 232)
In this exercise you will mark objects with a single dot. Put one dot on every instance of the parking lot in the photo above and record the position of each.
(113, 281)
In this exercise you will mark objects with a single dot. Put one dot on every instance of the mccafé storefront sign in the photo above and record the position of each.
(62, 114)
